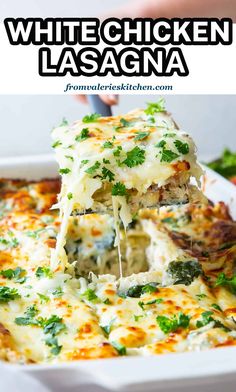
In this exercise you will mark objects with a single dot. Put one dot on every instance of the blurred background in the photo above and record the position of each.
(26, 121)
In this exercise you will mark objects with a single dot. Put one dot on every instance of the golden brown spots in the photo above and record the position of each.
(136, 337)
(51, 243)
(99, 351)
(181, 166)
(95, 232)
(109, 292)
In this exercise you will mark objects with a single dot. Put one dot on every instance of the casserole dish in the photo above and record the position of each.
(209, 370)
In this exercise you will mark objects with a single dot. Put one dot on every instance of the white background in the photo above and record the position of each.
(26, 120)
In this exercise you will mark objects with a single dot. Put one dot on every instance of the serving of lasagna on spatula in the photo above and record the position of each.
(124, 163)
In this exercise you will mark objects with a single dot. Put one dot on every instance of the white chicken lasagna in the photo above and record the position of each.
(178, 288)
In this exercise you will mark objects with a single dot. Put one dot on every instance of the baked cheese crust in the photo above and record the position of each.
(180, 298)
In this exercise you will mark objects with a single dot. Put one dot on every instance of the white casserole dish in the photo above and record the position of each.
(208, 371)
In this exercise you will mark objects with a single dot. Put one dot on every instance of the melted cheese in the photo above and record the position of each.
(87, 148)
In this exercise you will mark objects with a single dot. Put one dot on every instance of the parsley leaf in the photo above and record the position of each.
(137, 317)
(171, 324)
(223, 280)
(43, 272)
(124, 122)
(168, 155)
(117, 151)
(84, 134)
(137, 290)
(58, 292)
(64, 122)
(135, 157)
(151, 302)
(106, 173)
(91, 118)
(161, 144)
(183, 148)
(69, 196)
(92, 169)
(119, 347)
(201, 296)
(107, 144)
(119, 189)
(184, 272)
(89, 295)
(84, 161)
(141, 135)
(44, 298)
(66, 170)
(17, 274)
(53, 325)
(69, 157)
(57, 143)
(7, 294)
(217, 307)
(30, 313)
(157, 107)
(206, 319)
(53, 342)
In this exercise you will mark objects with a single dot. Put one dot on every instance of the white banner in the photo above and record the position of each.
(212, 70)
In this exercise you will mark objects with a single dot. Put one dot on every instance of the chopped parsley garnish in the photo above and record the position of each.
(106, 173)
(118, 189)
(183, 148)
(124, 122)
(171, 324)
(137, 317)
(137, 290)
(66, 170)
(107, 328)
(53, 325)
(107, 144)
(64, 122)
(58, 292)
(28, 318)
(151, 302)
(168, 155)
(69, 196)
(161, 144)
(141, 135)
(53, 343)
(84, 161)
(92, 169)
(217, 307)
(107, 301)
(89, 295)
(91, 118)
(170, 134)
(56, 144)
(229, 283)
(184, 272)
(119, 347)
(106, 161)
(18, 274)
(206, 319)
(7, 294)
(135, 157)
(10, 243)
(43, 272)
(117, 151)
(43, 298)
(69, 157)
(84, 134)
(201, 296)
(157, 107)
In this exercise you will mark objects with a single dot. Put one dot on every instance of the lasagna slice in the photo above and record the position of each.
(123, 163)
